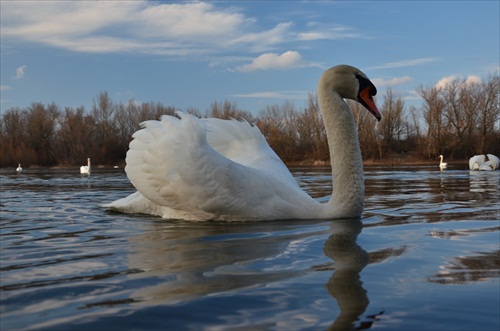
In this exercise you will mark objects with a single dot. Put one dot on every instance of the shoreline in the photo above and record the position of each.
(303, 163)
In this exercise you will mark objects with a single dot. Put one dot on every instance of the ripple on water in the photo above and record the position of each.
(428, 248)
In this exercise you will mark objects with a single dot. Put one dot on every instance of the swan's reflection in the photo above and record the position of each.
(195, 260)
(484, 182)
(345, 285)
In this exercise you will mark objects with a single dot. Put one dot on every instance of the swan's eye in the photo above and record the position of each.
(365, 83)
(373, 91)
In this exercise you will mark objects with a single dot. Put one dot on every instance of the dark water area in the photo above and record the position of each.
(424, 256)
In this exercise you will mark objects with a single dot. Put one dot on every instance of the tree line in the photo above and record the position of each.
(458, 120)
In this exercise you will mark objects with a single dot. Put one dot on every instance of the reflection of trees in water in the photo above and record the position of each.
(485, 182)
(449, 234)
(467, 269)
(403, 197)
(464, 270)
(385, 253)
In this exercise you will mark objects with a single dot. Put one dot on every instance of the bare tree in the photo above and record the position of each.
(104, 141)
(13, 135)
(311, 131)
(489, 116)
(277, 124)
(433, 115)
(392, 128)
(40, 129)
(228, 110)
(74, 135)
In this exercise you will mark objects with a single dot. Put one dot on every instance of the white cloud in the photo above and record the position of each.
(380, 82)
(4, 87)
(287, 60)
(20, 72)
(473, 79)
(406, 63)
(445, 81)
(187, 20)
(299, 95)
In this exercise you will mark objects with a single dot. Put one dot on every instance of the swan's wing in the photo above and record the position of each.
(171, 163)
(243, 143)
(494, 162)
(475, 161)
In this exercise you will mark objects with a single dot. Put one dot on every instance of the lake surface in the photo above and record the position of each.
(424, 256)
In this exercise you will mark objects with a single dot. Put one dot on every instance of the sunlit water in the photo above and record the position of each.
(425, 256)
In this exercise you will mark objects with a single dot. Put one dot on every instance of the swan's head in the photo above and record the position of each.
(350, 83)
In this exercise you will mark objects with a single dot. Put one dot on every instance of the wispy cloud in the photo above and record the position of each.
(295, 95)
(4, 87)
(150, 27)
(337, 32)
(20, 72)
(406, 63)
(287, 60)
(137, 26)
(380, 82)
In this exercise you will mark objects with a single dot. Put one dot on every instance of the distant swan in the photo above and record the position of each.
(19, 168)
(442, 165)
(479, 162)
(85, 169)
(212, 169)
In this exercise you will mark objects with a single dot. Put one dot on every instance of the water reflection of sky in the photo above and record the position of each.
(427, 246)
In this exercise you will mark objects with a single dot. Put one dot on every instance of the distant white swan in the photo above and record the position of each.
(442, 165)
(486, 162)
(19, 168)
(85, 169)
(212, 169)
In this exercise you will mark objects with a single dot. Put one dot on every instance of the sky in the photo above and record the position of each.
(189, 54)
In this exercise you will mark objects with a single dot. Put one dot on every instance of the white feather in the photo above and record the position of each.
(479, 162)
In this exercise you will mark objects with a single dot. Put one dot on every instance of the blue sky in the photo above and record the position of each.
(256, 53)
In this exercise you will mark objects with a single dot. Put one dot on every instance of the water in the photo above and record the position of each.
(425, 256)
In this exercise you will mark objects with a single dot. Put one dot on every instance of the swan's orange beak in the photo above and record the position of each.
(365, 97)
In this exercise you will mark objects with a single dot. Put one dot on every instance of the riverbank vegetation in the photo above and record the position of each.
(458, 120)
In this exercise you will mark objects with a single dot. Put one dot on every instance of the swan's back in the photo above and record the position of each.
(243, 143)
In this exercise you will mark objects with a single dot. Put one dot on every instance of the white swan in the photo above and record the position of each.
(212, 169)
(19, 168)
(85, 169)
(479, 162)
(442, 165)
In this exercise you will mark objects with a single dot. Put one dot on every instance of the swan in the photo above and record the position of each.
(212, 169)
(85, 169)
(479, 162)
(19, 168)
(442, 165)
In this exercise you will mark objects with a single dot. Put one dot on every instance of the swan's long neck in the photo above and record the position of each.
(345, 154)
